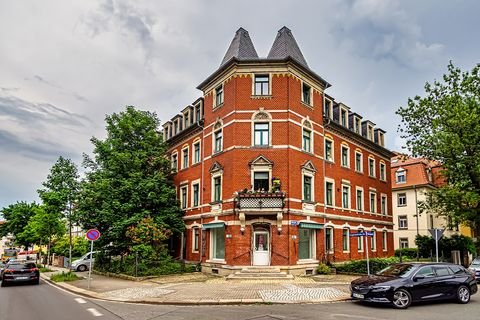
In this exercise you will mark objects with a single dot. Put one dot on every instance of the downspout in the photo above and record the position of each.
(203, 187)
(324, 195)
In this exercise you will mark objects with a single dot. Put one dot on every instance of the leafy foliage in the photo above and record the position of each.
(426, 245)
(62, 244)
(127, 180)
(323, 269)
(64, 276)
(16, 219)
(444, 126)
(410, 253)
(360, 266)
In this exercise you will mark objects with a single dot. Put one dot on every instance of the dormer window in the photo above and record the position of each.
(328, 109)
(343, 118)
(357, 125)
(198, 115)
(186, 118)
(381, 139)
(401, 175)
(370, 132)
(306, 94)
(219, 95)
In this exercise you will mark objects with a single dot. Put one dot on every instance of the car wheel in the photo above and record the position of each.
(463, 294)
(402, 299)
(4, 284)
(82, 268)
(37, 282)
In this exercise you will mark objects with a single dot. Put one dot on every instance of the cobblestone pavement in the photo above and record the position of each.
(293, 293)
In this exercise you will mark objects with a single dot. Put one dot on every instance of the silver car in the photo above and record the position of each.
(83, 263)
(475, 267)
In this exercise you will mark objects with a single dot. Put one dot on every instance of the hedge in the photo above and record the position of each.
(360, 266)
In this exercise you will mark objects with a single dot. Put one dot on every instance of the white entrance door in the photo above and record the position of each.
(261, 254)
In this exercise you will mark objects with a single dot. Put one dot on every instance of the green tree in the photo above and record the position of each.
(127, 180)
(444, 126)
(16, 218)
(61, 190)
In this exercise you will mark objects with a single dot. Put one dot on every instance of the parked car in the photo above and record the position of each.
(475, 268)
(83, 263)
(403, 283)
(15, 272)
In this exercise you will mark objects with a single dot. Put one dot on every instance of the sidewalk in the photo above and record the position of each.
(198, 288)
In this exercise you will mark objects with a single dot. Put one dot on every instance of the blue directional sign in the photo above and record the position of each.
(361, 234)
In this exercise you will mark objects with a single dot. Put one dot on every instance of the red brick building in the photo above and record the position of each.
(273, 171)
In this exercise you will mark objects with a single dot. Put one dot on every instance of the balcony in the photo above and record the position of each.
(260, 200)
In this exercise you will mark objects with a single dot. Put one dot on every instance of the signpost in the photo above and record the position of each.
(92, 235)
(436, 234)
(366, 235)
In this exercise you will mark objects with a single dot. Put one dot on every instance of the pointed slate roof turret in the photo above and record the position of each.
(285, 46)
(241, 47)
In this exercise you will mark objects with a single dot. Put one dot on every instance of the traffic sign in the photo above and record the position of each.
(92, 234)
(436, 233)
(361, 234)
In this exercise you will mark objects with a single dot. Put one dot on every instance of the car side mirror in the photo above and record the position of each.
(419, 277)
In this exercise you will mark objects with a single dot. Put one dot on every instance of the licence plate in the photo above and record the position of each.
(358, 295)
(22, 278)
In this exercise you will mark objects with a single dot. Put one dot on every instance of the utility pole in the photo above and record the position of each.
(416, 215)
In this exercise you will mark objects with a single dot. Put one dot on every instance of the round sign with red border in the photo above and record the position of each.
(92, 234)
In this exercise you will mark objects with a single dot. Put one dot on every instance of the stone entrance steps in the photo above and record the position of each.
(260, 273)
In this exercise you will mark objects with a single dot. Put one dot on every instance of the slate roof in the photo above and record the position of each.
(241, 47)
(285, 46)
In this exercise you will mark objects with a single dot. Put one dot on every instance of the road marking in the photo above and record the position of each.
(94, 312)
(80, 300)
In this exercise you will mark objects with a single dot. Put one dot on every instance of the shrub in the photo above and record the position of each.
(323, 269)
(360, 266)
(410, 253)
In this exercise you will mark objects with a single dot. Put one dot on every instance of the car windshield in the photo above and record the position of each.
(397, 270)
(475, 264)
(20, 266)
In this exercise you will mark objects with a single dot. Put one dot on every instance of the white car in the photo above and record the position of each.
(83, 263)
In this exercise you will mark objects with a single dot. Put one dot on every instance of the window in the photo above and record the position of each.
(196, 152)
(384, 240)
(183, 197)
(328, 150)
(218, 243)
(217, 189)
(219, 95)
(307, 188)
(329, 239)
(358, 162)
(262, 85)
(329, 193)
(373, 200)
(383, 204)
(401, 176)
(402, 222)
(345, 162)
(401, 199)
(346, 197)
(261, 134)
(197, 113)
(360, 241)
(261, 181)
(403, 243)
(174, 161)
(307, 141)
(373, 241)
(195, 239)
(185, 158)
(346, 239)
(358, 125)
(196, 195)
(327, 111)
(382, 171)
(343, 118)
(359, 200)
(306, 243)
(217, 137)
(370, 132)
(371, 167)
(186, 117)
(306, 94)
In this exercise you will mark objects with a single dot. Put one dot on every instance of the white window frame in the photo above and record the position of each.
(216, 175)
(213, 245)
(183, 206)
(403, 222)
(330, 240)
(348, 188)
(313, 246)
(360, 170)
(310, 146)
(329, 108)
(373, 241)
(401, 173)
(383, 171)
(400, 196)
(332, 157)
(218, 88)
(360, 241)
(370, 201)
(383, 205)
(214, 136)
(194, 183)
(332, 181)
(347, 238)
(196, 240)
(345, 147)
(385, 240)
(174, 154)
(185, 165)
(343, 111)
(312, 185)
(254, 92)
(310, 94)
(199, 143)
(402, 241)
(371, 167)
(362, 209)
(261, 116)
(265, 143)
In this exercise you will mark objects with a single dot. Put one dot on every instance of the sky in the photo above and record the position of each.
(65, 65)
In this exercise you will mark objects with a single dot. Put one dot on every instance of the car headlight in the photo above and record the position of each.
(379, 288)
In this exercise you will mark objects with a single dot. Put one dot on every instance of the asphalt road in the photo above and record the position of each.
(50, 303)
(43, 301)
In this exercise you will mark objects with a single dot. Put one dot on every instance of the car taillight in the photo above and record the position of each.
(33, 269)
(8, 271)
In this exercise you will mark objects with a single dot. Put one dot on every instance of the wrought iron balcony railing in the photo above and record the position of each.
(260, 200)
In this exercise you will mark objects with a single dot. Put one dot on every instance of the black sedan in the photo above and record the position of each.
(16, 272)
(403, 283)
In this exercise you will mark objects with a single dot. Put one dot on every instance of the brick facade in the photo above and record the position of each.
(286, 227)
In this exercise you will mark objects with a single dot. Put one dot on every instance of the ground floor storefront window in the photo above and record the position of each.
(306, 243)
(218, 243)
